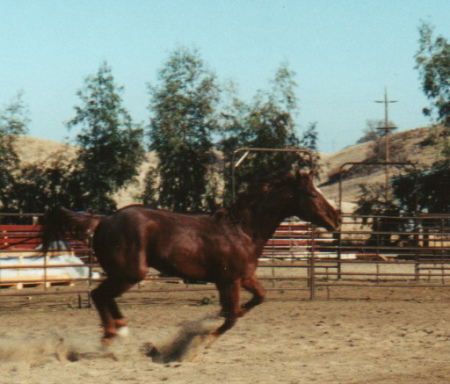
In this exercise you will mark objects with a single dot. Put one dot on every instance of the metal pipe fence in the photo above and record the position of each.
(386, 251)
(380, 251)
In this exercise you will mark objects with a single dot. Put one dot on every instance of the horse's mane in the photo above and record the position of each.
(253, 196)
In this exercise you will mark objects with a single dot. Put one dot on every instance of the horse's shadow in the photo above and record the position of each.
(190, 341)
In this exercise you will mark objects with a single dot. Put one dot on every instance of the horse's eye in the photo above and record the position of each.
(314, 195)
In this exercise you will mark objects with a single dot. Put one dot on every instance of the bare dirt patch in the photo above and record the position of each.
(361, 335)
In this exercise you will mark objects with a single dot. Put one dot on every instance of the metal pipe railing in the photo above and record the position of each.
(324, 258)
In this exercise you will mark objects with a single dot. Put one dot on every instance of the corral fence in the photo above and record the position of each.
(370, 251)
(385, 251)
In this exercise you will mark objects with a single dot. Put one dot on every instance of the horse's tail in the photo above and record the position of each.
(60, 223)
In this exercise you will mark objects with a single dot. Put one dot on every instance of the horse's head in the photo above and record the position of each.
(308, 203)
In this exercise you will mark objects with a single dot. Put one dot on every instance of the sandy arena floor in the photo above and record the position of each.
(361, 335)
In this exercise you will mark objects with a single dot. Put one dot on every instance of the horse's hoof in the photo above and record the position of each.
(123, 331)
(107, 340)
(209, 339)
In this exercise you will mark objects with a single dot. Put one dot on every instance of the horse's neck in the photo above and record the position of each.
(261, 221)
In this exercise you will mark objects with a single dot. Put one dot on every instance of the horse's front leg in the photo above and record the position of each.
(252, 285)
(229, 300)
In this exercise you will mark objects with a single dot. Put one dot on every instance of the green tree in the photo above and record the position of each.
(183, 121)
(372, 201)
(39, 187)
(431, 190)
(110, 143)
(433, 64)
(13, 122)
(32, 187)
(268, 122)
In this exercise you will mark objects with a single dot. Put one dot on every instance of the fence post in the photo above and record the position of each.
(442, 229)
(418, 224)
(312, 274)
(339, 256)
(46, 283)
(91, 261)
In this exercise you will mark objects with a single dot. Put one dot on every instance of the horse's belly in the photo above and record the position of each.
(210, 259)
(182, 269)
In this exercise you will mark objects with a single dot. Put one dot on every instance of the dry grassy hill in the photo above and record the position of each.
(32, 150)
(412, 146)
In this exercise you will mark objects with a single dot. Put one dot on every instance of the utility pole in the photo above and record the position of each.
(387, 129)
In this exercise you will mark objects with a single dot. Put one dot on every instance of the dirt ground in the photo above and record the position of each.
(360, 335)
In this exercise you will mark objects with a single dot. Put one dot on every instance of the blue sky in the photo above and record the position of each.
(344, 52)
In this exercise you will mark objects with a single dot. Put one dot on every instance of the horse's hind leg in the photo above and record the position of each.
(104, 298)
(252, 285)
(119, 320)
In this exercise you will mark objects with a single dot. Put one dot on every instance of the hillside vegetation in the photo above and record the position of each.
(418, 146)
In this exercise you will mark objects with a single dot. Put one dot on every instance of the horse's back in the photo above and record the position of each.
(138, 237)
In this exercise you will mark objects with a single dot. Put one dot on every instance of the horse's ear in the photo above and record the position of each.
(299, 174)
(304, 177)
(301, 178)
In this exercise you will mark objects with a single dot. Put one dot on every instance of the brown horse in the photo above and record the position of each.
(222, 248)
